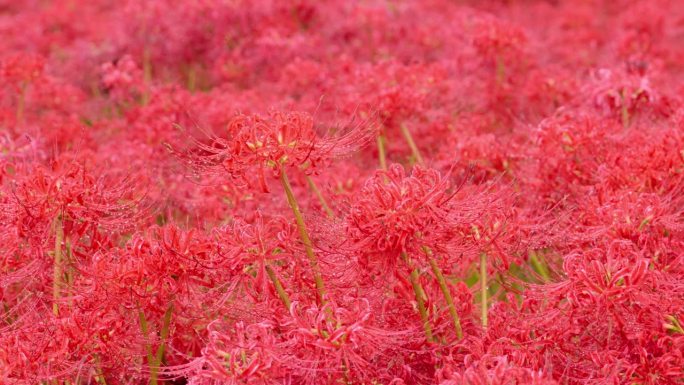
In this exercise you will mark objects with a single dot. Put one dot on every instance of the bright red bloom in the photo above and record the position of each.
(531, 232)
(399, 213)
(267, 143)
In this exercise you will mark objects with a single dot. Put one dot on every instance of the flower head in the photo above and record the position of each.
(268, 143)
(398, 212)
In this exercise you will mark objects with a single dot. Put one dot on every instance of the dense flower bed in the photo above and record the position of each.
(342, 192)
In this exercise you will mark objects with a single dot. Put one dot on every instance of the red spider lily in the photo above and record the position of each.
(69, 189)
(624, 95)
(333, 343)
(405, 213)
(19, 70)
(122, 79)
(495, 371)
(532, 231)
(259, 250)
(315, 346)
(240, 354)
(186, 267)
(402, 215)
(68, 207)
(269, 143)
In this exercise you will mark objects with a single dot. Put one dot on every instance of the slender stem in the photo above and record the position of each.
(8, 316)
(345, 373)
(99, 376)
(624, 112)
(500, 70)
(420, 299)
(540, 267)
(57, 268)
(412, 144)
(154, 360)
(483, 288)
(674, 325)
(304, 234)
(69, 272)
(279, 287)
(447, 296)
(147, 73)
(146, 335)
(21, 103)
(419, 293)
(192, 77)
(159, 356)
(321, 198)
(381, 151)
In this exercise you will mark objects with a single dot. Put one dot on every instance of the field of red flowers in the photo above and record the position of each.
(376, 192)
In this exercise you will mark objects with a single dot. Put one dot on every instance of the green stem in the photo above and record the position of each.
(420, 299)
(99, 376)
(321, 198)
(164, 335)
(154, 360)
(447, 296)
(279, 287)
(304, 234)
(540, 267)
(381, 152)
(419, 293)
(483, 289)
(674, 325)
(146, 335)
(57, 268)
(412, 144)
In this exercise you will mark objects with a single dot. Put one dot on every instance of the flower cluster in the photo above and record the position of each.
(414, 192)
